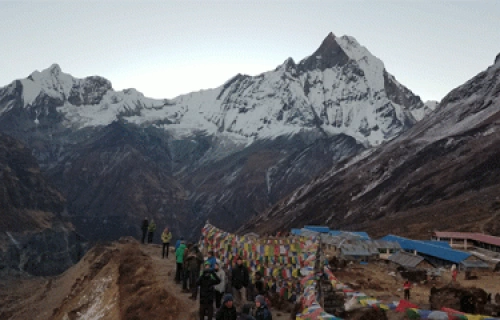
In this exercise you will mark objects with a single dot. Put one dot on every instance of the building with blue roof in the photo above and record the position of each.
(436, 254)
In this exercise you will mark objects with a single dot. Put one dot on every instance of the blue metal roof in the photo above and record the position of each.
(296, 232)
(362, 234)
(426, 248)
(443, 244)
(334, 232)
(321, 229)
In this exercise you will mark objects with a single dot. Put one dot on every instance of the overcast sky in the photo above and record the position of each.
(166, 48)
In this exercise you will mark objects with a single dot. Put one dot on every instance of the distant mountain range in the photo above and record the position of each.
(225, 154)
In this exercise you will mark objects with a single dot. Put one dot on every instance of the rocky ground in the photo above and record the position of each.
(374, 279)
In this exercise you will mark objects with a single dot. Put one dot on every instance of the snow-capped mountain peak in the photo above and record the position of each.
(56, 84)
(340, 89)
(328, 55)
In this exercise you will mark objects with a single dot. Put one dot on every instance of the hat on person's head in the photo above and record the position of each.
(260, 299)
(239, 258)
(227, 297)
(207, 263)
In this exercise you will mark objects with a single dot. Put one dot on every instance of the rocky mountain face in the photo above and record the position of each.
(35, 235)
(441, 174)
(118, 176)
(224, 154)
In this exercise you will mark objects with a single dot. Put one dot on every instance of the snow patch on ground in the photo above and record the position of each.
(97, 308)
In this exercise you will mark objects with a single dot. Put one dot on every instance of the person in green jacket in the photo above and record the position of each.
(179, 259)
(166, 236)
(151, 231)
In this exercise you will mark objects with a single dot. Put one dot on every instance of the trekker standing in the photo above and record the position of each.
(211, 259)
(207, 281)
(178, 242)
(259, 284)
(144, 228)
(221, 287)
(406, 289)
(166, 236)
(194, 262)
(227, 311)
(454, 272)
(261, 310)
(151, 231)
(239, 283)
(179, 259)
(185, 270)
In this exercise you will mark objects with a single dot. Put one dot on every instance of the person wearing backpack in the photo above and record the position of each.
(207, 281)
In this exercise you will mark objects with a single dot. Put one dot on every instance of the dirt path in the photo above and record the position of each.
(165, 274)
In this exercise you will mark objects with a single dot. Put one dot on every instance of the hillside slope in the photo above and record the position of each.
(36, 236)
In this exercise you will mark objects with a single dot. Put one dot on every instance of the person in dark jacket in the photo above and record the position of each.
(259, 284)
(151, 231)
(194, 260)
(144, 228)
(227, 311)
(239, 283)
(261, 310)
(207, 281)
(185, 271)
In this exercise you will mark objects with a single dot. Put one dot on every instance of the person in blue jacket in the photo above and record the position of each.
(261, 310)
(211, 259)
(178, 243)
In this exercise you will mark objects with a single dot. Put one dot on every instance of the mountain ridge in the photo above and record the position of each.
(91, 101)
(223, 154)
(440, 174)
